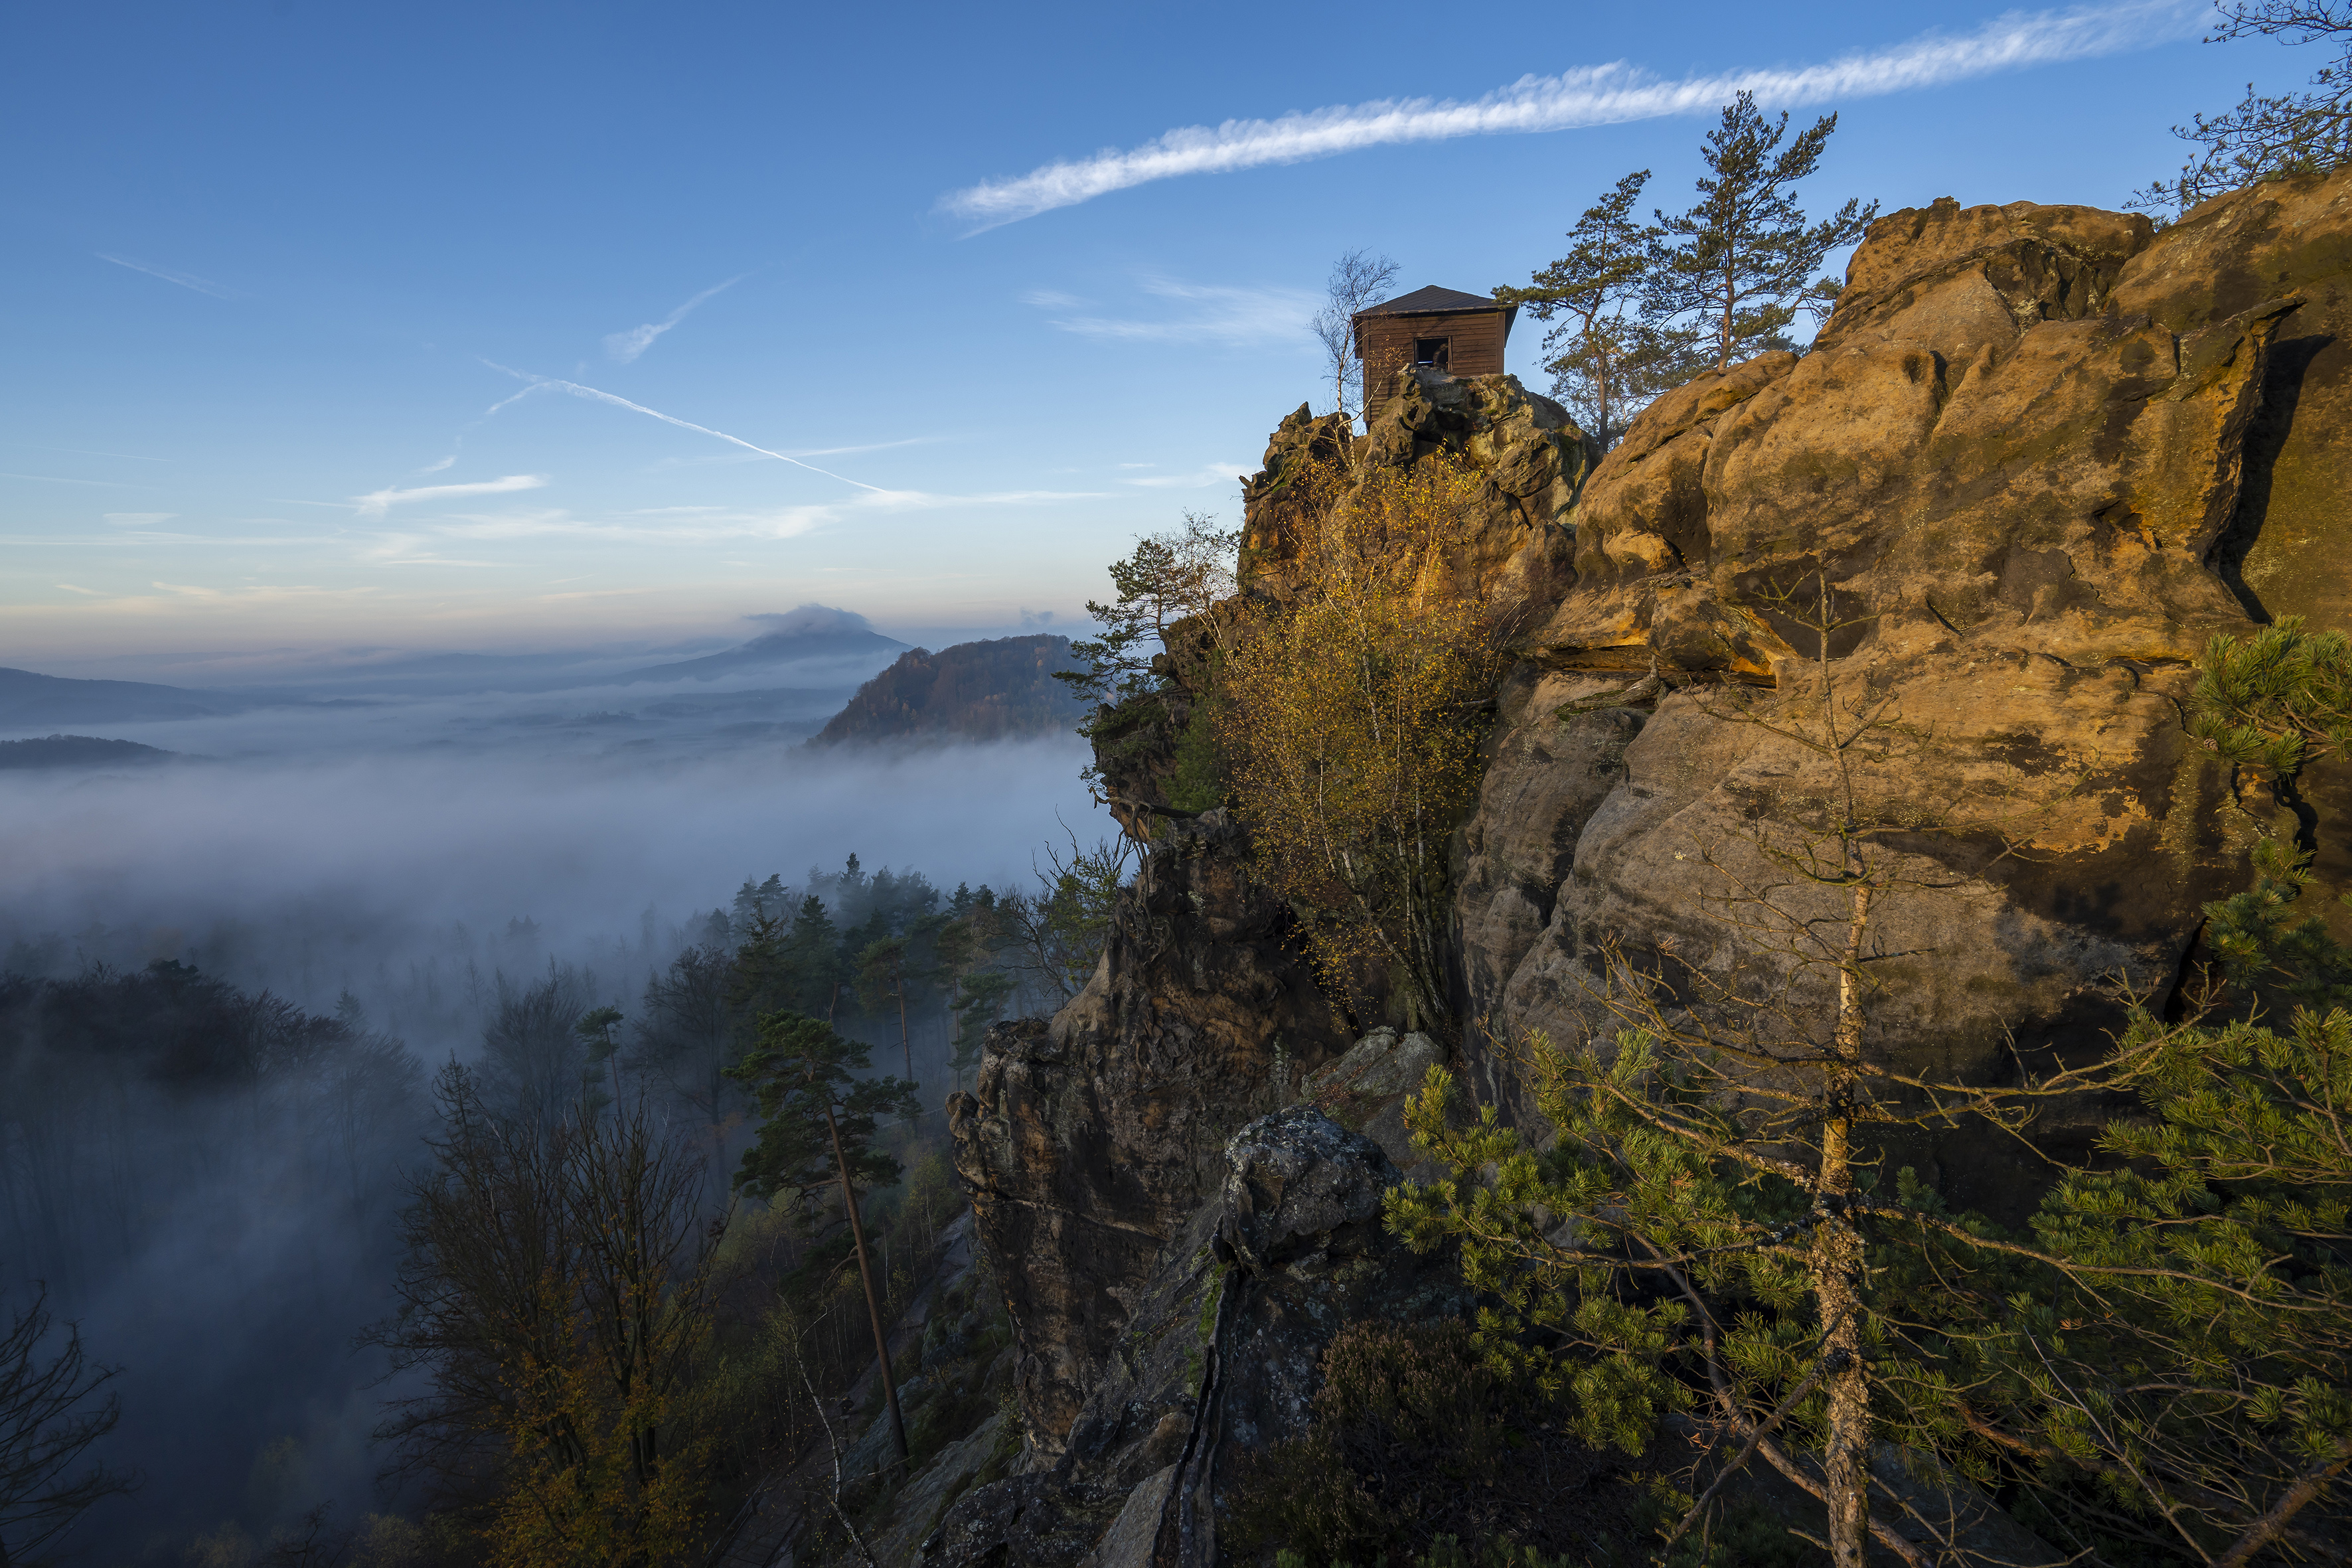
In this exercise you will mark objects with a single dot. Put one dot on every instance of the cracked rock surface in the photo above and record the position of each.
(1220, 1356)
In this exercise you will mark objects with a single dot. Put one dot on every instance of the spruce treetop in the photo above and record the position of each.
(803, 1074)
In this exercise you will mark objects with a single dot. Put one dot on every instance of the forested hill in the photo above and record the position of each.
(974, 690)
(76, 751)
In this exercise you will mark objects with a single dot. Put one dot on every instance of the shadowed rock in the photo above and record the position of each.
(1089, 1141)
(1221, 1357)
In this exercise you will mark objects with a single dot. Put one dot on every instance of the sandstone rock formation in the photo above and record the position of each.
(2020, 452)
(1512, 546)
(1218, 1358)
(987, 690)
(2037, 457)
(1088, 1143)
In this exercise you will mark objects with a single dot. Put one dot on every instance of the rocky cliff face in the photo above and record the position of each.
(1511, 545)
(2037, 457)
(986, 690)
(2024, 454)
(1218, 1357)
(1090, 1141)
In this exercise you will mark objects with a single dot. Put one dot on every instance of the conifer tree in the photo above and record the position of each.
(811, 958)
(1170, 575)
(2269, 135)
(1610, 359)
(2166, 1357)
(818, 1127)
(1738, 266)
(884, 979)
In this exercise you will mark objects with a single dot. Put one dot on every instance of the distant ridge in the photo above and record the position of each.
(30, 701)
(78, 751)
(989, 690)
(812, 631)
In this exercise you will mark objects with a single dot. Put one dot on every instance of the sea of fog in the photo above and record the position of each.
(340, 842)
(416, 856)
(313, 875)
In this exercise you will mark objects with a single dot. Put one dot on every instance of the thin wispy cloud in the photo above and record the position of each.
(139, 519)
(184, 280)
(375, 503)
(550, 384)
(252, 593)
(61, 479)
(684, 524)
(729, 459)
(1199, 478)
(869, 447)
(1201, 313)
(448, 462)
(1593, 95)
(626, 346)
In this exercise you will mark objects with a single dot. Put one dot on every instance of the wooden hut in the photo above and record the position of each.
(1440, 328)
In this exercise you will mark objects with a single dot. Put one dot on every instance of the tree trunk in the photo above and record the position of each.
(906, 1040)
(873, 1302)
(1837, 1287)
(1837, 1265)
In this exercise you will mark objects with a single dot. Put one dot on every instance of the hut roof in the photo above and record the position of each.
(1431, 301)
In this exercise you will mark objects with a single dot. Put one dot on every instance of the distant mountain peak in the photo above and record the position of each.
(810, 620)
(812, 631)
(996, 690)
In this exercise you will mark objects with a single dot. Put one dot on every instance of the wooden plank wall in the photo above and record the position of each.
(1387, 340)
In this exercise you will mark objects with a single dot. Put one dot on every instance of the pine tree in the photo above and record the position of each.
(884, 981)
(818, 1128)
(813, 964)
(1736, 269)
(1610, 361)
(2268, 135)
(2163, 1362)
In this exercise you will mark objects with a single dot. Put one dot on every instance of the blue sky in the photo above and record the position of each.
(290, 285)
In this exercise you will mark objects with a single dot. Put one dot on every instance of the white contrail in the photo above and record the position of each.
(375, 503)
(577, 389)
(184, 280)
(1593, 95)
(626, 346)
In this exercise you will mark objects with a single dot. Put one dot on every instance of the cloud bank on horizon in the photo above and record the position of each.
(1607, 94)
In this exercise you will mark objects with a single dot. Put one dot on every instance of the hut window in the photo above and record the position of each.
(1431, 352)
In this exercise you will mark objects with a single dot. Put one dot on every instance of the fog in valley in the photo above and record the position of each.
(232, 974)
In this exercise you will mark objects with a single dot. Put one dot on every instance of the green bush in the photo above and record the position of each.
(1401, 1411)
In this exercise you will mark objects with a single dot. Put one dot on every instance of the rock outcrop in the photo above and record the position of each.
(1511, 546)
(1218, 1358)
(2034, 460)
(987, 690)
(1091, 1142)
(2024, 454)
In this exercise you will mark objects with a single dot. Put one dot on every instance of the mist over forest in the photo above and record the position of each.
(227, 984)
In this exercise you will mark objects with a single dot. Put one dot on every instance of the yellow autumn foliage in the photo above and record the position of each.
(1353, 719)
(606, 1470)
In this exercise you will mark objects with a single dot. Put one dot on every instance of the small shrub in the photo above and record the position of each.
(1401, 1412)
(1198, 781)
